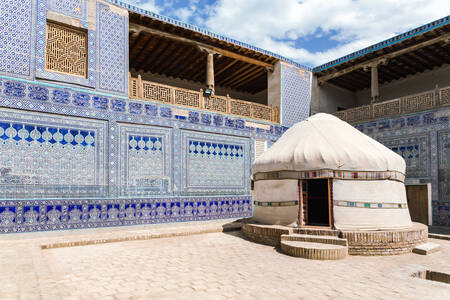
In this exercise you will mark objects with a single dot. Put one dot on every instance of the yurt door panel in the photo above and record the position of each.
(315, 202)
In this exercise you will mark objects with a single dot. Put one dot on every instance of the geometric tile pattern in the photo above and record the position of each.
(414, 150)
(215, 164)
(145, 162)
(72, 8)
(422, 140)
(112, 31)
(444, 165)
(295, 95)
(16, 24)
(44, 155)
(51, 214)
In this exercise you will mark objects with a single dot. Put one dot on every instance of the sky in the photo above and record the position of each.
(310, 32)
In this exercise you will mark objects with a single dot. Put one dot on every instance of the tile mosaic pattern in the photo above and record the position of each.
(444, 165)
(415, 151)
(422, 139)
(129, 124)
(295, 95)
(112, 50)
(72, 8)
(43, 215)
(43, 155)
(16, 40)
(369, 204)
(145, 160)
(215, 164)
(41, 32)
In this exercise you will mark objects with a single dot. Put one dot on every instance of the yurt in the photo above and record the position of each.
(325, 173)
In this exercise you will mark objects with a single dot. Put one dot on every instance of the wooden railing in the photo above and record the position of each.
(408, 104)
(147, 90)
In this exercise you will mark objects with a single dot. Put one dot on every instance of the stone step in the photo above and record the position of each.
(317, 231)
(426, 248)
(323, 239)
(310, 250)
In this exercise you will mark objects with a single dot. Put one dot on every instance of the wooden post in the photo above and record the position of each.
(228, 104)
(210, 71)
(375, 93)
(140, 88)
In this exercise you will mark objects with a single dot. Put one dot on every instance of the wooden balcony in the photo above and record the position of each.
(404, 105)
(151, 91)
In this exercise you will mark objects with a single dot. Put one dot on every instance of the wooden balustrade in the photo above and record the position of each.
(146, 90)
(404, 105)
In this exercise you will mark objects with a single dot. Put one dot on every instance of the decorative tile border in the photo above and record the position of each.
(369, 204)
(276, 204)
(50, 98)
(44, 215)
(336, 174)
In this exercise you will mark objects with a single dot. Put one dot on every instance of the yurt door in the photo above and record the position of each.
(315, 206)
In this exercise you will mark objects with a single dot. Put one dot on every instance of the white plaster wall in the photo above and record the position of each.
(260, 97)
(331, 97)
(409, 85)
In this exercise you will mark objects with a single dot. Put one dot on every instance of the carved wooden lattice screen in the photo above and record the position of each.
(66, 50)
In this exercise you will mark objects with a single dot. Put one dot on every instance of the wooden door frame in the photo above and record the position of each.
(301, 200)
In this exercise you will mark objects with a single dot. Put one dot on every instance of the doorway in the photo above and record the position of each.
(315, 206)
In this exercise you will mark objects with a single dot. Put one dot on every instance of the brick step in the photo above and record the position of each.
(317, 231)
(310, 250)
(323, 239)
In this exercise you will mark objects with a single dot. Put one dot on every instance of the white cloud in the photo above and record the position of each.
(276, 25)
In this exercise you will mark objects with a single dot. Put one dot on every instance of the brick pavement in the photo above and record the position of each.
(206, 266)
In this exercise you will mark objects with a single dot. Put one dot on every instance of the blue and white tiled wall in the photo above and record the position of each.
(295, 94)
(75, 159)
(423, 140)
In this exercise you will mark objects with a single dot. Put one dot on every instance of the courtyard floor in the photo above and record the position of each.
(204, 266)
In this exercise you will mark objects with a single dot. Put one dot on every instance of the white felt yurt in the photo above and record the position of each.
(361, 181)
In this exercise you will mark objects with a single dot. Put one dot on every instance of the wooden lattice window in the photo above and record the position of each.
(66, 50)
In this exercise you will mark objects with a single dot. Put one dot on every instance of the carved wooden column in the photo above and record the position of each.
(375, 93)
(210, 71)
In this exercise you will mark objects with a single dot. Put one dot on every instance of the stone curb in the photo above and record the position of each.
(145, 236)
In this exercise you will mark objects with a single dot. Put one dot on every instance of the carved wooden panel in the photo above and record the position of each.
(216, 103)
(386, 108)
(66, 50)
(445, 96)
(418, 102)
(240, 108)
(186, 98)
(359, 113)
(262, 112)
(155, 92)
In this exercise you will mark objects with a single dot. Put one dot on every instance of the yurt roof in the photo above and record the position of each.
(323, 141)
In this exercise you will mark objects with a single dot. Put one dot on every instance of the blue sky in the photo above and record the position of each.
(311, 32)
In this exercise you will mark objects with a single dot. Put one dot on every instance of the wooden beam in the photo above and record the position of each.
(169, 58)
(136, 28)
(146, 52)
(199, 57)
(249, 78)
(385, 56)
(183, 57)
(165, 44)
(225, 68)
(227, 78)
(244, 75)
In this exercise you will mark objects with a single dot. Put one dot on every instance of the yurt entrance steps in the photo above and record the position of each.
(321, 247)
(317, 231)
